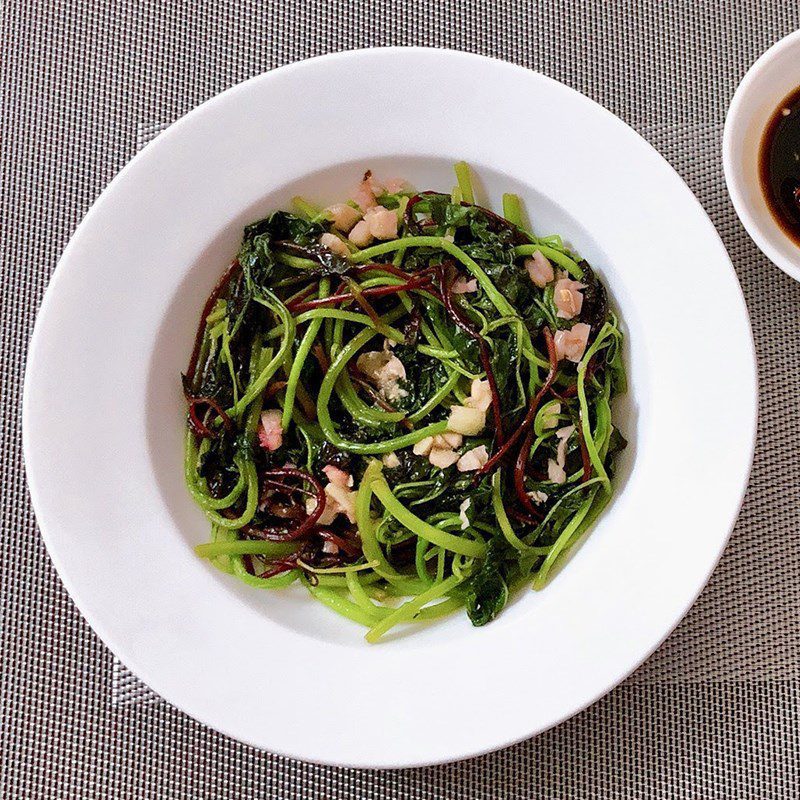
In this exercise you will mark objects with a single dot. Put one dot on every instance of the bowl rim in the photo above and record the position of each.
(173, 131)
(733, 174)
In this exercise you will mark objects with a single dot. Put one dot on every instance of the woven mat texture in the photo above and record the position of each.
(715, 713)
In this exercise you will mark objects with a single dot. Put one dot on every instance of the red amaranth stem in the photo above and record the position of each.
(276, 567)
(274, 387)
(446, 271)
(375, 291)
(366, 306)
(222, 284)
(585, 457)
(391, 269)
(271, 483)
(281, 534)
(492, 463)
(521, 465)
(519, 472)
(525, 518)
(322, 357)
(301, 295)
(198, 424)
(572, 389)
(350, 548)
(357, 377)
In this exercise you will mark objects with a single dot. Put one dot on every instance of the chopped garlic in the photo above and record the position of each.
(442, 457)
(463, 286)
(373, 184)
(555, 472)
(334, 244)
(382, 222)
(328, 514)
(448, 439)
(466, 421)
(473, 459)
(480, 396)
(338, 476)
(470, 419)
(385, 370)
(563, 434)
(439, 449)
(396, 185)
(568, 298)
(343, 216)
(462, 513)
(270, 432)
(423, 446)
(390, 460)
(360, 236)
(538, 496)
(363, 194)
(339, 497)
(539, 269)
(571, 344)
(343, 499)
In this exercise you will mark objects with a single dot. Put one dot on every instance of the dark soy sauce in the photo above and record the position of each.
(779, 165)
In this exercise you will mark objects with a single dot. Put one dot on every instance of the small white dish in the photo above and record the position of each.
(103, 411)
(769, 81)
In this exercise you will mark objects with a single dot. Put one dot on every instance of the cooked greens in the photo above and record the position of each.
(402, 402)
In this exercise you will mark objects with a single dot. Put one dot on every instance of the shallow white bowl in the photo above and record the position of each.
(774, 76)
(103, 412)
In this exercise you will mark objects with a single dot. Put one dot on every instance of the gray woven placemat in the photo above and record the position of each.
(714, 714)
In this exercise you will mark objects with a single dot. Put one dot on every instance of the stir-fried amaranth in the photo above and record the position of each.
(403, 402)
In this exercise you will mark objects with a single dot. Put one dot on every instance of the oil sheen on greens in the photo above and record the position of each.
(358, 477)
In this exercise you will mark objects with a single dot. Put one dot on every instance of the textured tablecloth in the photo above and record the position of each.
(714, 713)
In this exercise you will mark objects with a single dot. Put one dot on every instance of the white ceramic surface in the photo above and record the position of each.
(775, 75)
(103, 412)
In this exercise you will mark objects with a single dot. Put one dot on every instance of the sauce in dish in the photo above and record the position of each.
(779, 165)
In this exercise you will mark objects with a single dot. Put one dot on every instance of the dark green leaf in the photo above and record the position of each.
(487, 592)
(595, 299)
(501, 363)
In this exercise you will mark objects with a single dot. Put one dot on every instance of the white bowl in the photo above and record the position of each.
(774, 76)
(103, 412)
